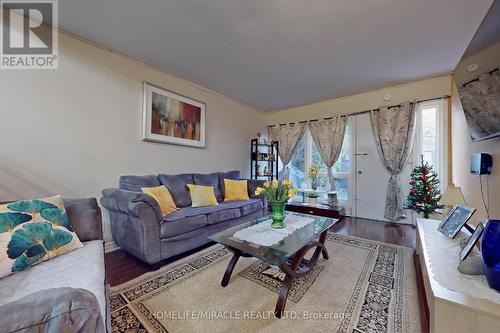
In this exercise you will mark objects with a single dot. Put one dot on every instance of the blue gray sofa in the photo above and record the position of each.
(139, 228)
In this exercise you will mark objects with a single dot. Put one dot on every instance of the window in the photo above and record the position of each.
(341, 169)
(431, 136)
(306, 154)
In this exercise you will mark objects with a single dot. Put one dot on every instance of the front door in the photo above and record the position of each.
(371, 176)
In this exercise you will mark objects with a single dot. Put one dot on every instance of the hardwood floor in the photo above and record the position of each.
(122, 267)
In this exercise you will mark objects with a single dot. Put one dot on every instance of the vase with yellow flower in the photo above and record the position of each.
(277, 195)
(312, 172)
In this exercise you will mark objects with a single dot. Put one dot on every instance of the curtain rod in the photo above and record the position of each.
(366, 111)
(477, 78)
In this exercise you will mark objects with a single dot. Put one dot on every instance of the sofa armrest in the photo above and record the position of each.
(128, 202)
(252, 186)
(53, 310)
(135, 222)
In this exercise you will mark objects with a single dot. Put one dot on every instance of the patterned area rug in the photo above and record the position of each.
(365, 286)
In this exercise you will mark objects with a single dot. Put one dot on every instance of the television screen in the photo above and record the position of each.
(478, 78)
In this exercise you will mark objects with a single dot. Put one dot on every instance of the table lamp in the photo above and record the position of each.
(453, 196)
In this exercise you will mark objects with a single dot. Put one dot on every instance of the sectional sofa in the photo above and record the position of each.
(139, 228)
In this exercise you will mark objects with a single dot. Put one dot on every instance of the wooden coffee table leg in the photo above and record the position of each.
(230, 267)
(299, 266)
(322, 239)
(280, 305)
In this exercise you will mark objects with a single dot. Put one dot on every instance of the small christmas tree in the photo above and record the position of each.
(424, 194)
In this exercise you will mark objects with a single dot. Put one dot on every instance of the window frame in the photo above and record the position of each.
(441, 144)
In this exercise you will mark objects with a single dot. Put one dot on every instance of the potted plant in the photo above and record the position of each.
(313, 198)
(312, 172)
(277, 195)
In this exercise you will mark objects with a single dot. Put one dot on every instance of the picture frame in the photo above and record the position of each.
(471, 241)
(455, 220)
(171, 118)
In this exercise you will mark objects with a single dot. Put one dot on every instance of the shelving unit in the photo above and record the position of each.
(264, 157)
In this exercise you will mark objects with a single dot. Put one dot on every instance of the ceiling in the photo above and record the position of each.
(274, 54)
(488, 32)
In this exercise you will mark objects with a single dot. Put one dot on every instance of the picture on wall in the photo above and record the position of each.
(172, 118)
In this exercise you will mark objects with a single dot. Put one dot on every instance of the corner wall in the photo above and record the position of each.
(75, 130)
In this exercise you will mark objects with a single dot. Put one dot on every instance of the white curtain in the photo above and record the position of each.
(328, 136)
(481, 103)
(287, 136)
(393, 130)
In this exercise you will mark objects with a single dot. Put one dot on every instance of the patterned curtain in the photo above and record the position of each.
(287, 136)
(481, 103)
(393, 129)
(328, 136)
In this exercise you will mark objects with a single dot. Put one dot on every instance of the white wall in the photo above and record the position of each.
(418, 90)
(462, 149)
(75, 130)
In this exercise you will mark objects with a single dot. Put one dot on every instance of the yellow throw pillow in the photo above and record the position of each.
(202, 195)
(32, 231)
(162, 195)
(235, 190)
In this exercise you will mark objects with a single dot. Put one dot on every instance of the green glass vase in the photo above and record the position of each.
(278, 215)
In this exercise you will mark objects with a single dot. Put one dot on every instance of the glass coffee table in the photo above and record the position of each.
(288, 254)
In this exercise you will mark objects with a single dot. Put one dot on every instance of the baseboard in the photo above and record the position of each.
(111, 246)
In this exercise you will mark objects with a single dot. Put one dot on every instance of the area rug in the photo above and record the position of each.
(365, 286)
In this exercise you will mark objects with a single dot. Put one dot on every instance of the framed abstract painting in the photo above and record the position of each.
(172, 118)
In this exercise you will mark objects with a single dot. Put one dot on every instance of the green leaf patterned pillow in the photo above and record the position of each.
(32, 231)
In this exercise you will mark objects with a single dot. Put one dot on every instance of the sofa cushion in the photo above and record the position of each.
(234, 175)
(135, 183)
(190, 211)
(82, 268)
(32, 231)
(182, 225)
(162, 195)
(223, 215)
(177, 185)
(209, 180)
(202, 196)
(251, 206)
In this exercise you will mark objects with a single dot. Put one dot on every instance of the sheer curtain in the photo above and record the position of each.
(328, 136)
(394, 130)
(287, 136)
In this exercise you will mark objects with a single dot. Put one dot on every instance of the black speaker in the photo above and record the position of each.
(480, 164)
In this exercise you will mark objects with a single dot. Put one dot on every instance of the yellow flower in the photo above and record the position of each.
(275, 183)
(290, 182)
(284, 182)
(266, 184)
(291, 193)
(259, 190)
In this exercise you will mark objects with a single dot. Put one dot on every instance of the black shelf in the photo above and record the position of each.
(263, 156)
